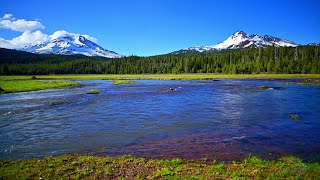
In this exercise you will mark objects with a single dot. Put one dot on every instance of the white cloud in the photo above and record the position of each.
(95, 40)
(22, 25)
(7, 16)
(6, 44)
(30, 37)
(25, 39)
(61, 33)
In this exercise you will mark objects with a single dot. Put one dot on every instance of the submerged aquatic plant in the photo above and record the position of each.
(294, 116)
(269, 87)
(310, 82)
(264, 87)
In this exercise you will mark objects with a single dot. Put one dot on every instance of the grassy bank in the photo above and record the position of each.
(12, 86)
(165, 76)
(126, 167)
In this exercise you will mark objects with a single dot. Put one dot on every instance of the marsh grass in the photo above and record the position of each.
(12, 86)
(93, 91)
(120, 82)
(92, 167)
(309, 82)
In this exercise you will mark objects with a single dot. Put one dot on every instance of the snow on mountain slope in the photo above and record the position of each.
(241, 39)
(69, 43)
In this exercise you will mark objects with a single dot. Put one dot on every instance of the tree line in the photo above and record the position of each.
(271, 59)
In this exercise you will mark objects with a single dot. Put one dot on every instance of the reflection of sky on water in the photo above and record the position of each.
(216, 119)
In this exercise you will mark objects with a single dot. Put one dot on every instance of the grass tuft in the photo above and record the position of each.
(164, 172)
(108, 170)
(93, 91)
(254, 161)
(294, 117)
(171, 162)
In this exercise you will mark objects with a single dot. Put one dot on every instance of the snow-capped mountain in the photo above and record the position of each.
(68, 43)
(313, 44)
(241, 39)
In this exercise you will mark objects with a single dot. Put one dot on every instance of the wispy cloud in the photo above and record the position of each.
(22, 25)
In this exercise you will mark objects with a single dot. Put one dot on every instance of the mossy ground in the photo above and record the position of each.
(12, 86)
(127, 167)
(198, 76)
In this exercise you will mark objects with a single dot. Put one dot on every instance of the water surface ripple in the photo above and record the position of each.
(224, 120)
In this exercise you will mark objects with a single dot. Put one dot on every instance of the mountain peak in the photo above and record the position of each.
(81, 38)
(239, 33)
(66, 43)
(240, 39)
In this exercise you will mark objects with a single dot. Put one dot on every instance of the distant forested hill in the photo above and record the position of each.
(302, 59)
(8, 56)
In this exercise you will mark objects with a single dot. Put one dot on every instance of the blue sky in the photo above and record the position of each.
(151, 27)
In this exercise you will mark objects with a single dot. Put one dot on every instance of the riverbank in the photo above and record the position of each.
(127, 167)
(164, 76)
(13, 85)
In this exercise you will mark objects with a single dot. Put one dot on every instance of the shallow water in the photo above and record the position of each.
(224, 120)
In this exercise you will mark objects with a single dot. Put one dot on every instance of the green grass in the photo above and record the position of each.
(164, 172)
(120, 82)
(197, 76)
(92, 167)
(12, 86)
(171, 162)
